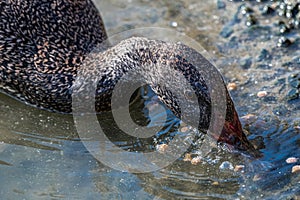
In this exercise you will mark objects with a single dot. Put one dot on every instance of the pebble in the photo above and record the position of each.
(293, 94)
(288, 11)
(249, 118)
(231, 86)
(251, 20)
(196, 160)
(239, 168)
(221, 4)
(215, 183)
(226, 31)
(246, 63)
(184, 129)
(162, 148)
(264, 55)
(296, 168)
(267, 10)
(295, 83)
(245, 10)
(280, 110)
(261, 94)
(294, 23)
(187, 157)
(226, 165)
(174, 24)
(283, 42)
(256, 177)
(283, 28)
(291, 160)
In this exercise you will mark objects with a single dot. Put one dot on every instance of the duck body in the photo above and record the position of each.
(44, 43)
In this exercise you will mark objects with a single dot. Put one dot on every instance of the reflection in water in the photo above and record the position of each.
(42, 162)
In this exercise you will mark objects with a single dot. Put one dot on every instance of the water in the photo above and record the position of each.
(42, 157)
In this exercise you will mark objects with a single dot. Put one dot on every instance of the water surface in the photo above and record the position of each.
(42, 157)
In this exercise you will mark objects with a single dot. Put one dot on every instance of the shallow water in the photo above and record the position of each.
(42, 157)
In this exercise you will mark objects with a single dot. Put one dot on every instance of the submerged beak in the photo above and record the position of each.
(233, 135)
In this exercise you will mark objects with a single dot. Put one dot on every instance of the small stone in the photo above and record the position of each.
(184, 129)
(196, 160)
(264, 66)
(283, 29)
(256, 177)
(226, 31)
(264, 55)
(221, 4)
(283, 42)
(267, 10)
(215, 183)
(245, 10)
(250, 20)
(280, 110)
(226, 165)
(187, 157)
(239, 168)
(281, 13)
(296, 168)
(162, 148)
(249, 118)
(246, 63)
(291, 160)
(295, 83)
(293, 94)
(231, 86)
(261, 94)
(294, 23)
(288, 14)
(174, 24)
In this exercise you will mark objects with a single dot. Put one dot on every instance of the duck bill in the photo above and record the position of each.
(234, 138)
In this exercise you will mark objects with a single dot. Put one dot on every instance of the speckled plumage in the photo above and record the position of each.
(43, 44)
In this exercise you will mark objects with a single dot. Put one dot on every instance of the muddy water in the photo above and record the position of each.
(42, 157)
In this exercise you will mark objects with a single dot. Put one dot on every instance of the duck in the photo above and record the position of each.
(45, 45)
